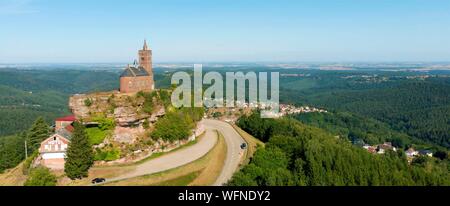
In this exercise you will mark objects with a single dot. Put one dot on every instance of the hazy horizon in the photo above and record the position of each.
(42, 31)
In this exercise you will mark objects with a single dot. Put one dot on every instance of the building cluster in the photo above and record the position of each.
(411, 153)
(286, 109)
(380, 149)
(232, 114)
(295, 75)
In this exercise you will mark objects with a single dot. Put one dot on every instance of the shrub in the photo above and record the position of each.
(110, 154)
(41, 177)
(164, 95)
(112, 104)
(27, 164)
(105, 123)
(148, 101)
(96, 135)
(217, 114)
(88, 102)
(174, 126)
(146, 124)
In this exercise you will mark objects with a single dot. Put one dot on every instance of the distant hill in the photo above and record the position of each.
(414, 103)
(28, 94)
(421, 109)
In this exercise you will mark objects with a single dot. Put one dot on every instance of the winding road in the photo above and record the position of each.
(194, 152)
(234, 151)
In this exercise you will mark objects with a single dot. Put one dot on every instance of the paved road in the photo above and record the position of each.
(234, 151)
(174, 159)
(196, 151)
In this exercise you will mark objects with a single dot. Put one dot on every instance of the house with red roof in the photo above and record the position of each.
(63, 122)
(53, 149)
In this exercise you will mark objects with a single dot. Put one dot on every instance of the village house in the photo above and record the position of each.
(387, 146)
(426, 153)
(380, 149)
(52, 151)
(63, 122)
(370, 149)
(411, 153)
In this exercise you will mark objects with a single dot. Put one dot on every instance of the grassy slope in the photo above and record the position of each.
(253, 144)
(206, 170)
(13, 177)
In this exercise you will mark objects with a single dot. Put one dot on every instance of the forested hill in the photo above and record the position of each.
(413, 103)
(26, 95)
(19, 109)
(64, 80)
(364, 130)
(421, 109)
(297, 154)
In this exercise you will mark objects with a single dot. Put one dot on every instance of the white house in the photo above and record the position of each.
(53, 152)
(411, 153)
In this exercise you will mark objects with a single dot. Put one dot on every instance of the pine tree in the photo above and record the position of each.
(80, 156)
(38, 132)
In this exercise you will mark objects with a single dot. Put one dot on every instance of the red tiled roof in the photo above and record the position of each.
(69, 128)
(70, 118)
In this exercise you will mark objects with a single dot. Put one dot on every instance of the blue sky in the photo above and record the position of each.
(46, 31)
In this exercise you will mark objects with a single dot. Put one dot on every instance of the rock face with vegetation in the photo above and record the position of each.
(131, 113)
(126, 127)
(126, 109)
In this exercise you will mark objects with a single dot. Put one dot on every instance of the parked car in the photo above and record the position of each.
(98, 180)
(243, 146)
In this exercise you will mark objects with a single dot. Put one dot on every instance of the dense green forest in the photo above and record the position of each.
(363, 130)
(26, 95)
(12, 148)
(368, 106)
(12, 151)
(418, 107)
(18, 109)
(355, 128)
(301, 155)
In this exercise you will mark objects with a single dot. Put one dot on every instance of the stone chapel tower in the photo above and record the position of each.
(145, 58)
(139, 77)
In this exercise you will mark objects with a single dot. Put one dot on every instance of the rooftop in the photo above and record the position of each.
(132, 71)
(70, 118)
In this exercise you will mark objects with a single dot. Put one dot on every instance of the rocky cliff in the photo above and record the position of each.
(127, 110)
(134, 117)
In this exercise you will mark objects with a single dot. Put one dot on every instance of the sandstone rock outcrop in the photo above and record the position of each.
(127, 135)
(126, 109)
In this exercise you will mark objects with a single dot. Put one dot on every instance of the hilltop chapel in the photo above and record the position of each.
(139, 77)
